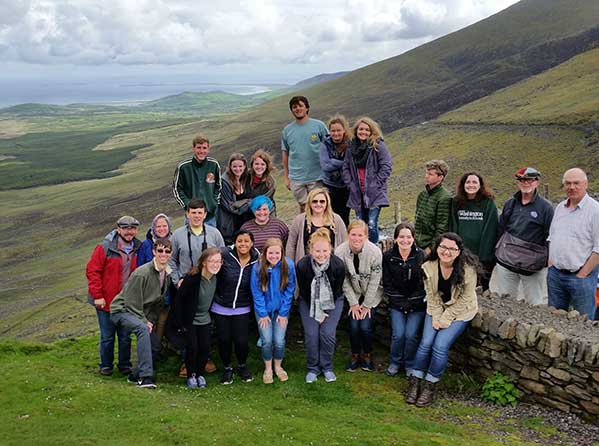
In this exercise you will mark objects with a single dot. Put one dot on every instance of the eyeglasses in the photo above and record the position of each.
(319, 201)
(163, 251)
(526, 180)
(128, 227)
(448, 249)
(214, 262)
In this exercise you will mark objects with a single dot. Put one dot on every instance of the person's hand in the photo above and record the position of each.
(364, 312)
(287, 183)
(150, 326)
(282, 320)
(581, 275)
(436, 325)
(263, 322)
(325, 318)
(354, 312)
(179, 283)
(101, 303)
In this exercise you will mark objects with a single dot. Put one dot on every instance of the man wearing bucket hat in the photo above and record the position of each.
(521, 250)
(108, 268)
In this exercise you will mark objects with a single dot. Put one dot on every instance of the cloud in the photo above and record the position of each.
(170, 32)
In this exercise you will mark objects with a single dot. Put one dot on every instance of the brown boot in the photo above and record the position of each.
(210, 366)
(427, 394)
(412, 393)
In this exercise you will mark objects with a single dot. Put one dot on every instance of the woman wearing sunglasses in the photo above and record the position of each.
(450, 282)
(319, 214)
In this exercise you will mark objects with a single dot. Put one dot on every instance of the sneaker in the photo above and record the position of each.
(210, 366)
(132, 378)
(354, 363)
(201, 382)
(226, 377)
(367, 364)
(392, 370)
(329, 376)
(311, 377)
(146, 383)
(105, 371)
(192, 382)
(244, 373)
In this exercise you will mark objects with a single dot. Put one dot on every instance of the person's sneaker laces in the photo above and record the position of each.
(227, 376)
(244, 373)
(329, 376)
(202, 382)
(192, 382)
(147, 383)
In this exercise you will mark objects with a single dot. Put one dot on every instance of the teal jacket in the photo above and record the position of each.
(432, 215)
(194, 179)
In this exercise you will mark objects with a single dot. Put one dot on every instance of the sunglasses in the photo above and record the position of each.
(163, 250)
(319, 201)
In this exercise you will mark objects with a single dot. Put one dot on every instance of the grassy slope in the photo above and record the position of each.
(49, 390)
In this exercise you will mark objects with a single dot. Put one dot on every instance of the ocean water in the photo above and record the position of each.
(115, 92)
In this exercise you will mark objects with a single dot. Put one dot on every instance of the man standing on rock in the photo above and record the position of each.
(300, 145)
(521, 250)
(574, 248)
(108, 269)
(432, 206)
(199, 177)
(137, 307)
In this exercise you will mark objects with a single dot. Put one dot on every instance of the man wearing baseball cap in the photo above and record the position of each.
(522, 247)
(108, 268)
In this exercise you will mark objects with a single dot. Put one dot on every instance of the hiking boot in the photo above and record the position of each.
(105, 371)
(146, 383)
(427, 394)
(392, 370)
(192, 382)
(244, 373)
(201, 382)
(354, 363)
(226, 377)
(210, 366)
(183, 371)
(367, 364)
(412, 393)
(329, 376)
(311, 377)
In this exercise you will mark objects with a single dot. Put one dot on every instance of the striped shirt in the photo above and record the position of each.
(275, 228)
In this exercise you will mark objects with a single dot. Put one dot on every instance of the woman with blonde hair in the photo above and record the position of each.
(332, 154)
(318, 214)
(366, 168)
(320, 277)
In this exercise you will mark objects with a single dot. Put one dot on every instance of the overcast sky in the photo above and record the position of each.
(261, 40)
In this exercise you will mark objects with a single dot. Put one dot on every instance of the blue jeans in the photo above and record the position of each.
(371, 217)
(406, 331)
(566, 289)
(273, 339)
(360, 334)
(107, 333)
(148, 344)
(433, 351)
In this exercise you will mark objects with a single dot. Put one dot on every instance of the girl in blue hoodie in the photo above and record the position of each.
(273, 284)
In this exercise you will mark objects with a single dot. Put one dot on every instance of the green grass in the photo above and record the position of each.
(52, 394)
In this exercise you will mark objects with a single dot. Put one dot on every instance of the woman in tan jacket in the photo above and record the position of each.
(450, 282)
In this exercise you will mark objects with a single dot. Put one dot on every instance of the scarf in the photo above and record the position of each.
(340, 149)
(321, 295)
(359, 152)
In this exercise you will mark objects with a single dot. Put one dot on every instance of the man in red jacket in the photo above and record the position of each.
(109, 267)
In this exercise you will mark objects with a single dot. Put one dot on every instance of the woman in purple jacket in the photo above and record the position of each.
(366, 168)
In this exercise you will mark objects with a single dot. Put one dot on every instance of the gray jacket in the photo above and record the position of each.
(365, 282)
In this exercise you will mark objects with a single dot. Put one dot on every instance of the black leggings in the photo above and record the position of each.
(197, 349)
(232, 330)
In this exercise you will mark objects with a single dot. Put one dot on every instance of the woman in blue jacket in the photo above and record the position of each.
(273, 284)
(366, 168)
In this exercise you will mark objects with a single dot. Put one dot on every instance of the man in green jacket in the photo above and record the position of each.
(137, 306)
(199, 177)
(432, 206)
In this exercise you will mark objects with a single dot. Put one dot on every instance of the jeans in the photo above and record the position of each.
(433, 351)
(371, 217)
(360, 334)
(567, 289)
(107, 334)
(319, 339)
(273, 339)
(406, 331)
(532, 286)
(148, 344)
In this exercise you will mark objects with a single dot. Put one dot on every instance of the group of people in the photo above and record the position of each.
(233, 258)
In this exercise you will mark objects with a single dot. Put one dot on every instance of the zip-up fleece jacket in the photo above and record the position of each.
(142, 295)
(432, 215)
(365, 282)
(403, 283)
(194, 179)
(273, 300)
(332, 168)
(234, 289)
(104, 270)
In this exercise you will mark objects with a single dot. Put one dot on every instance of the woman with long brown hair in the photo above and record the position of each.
(232, 209)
